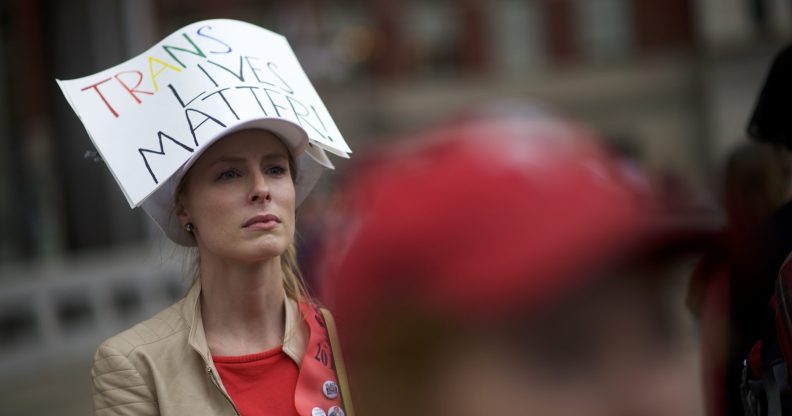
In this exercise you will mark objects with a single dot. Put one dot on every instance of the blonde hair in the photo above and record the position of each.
(293, 281)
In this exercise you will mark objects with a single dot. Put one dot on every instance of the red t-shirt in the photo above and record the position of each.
(260, 384)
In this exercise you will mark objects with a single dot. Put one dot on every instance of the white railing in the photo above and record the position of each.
(54, 313)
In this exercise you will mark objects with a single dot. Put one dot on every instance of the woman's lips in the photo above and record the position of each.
(262, 222)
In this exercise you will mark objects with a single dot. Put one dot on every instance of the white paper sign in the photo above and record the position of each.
(147, 115)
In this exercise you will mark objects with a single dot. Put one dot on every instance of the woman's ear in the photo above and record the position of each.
(181, 210)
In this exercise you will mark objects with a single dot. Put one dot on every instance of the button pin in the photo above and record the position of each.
(330, 389)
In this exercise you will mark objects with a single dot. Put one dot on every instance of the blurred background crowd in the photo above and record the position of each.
(668, 85)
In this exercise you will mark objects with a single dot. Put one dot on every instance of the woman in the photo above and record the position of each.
(246, 339)
(235, 343)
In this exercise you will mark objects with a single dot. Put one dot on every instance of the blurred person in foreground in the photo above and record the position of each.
(505, 264)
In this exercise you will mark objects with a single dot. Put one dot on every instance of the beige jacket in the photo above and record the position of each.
(162, 366)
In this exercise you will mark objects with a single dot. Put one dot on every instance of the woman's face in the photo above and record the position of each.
(239, 195)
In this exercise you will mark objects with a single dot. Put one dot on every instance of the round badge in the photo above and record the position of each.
(335, 411)
(330, 389)
(317, 411)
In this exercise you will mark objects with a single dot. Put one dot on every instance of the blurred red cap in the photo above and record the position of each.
(484, 215)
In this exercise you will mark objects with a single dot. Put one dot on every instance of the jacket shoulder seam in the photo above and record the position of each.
(126, 404)
(135, 346)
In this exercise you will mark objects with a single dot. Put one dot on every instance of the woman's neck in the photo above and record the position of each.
(242, 305)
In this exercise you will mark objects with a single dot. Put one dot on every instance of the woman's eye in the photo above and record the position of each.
(228, 174)
(276, 170)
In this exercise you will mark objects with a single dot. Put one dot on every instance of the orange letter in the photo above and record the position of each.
(132, 90)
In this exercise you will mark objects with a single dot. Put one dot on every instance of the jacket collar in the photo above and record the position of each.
(295, 334)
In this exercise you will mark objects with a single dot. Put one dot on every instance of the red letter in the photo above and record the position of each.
(96, 87)
(134, 89)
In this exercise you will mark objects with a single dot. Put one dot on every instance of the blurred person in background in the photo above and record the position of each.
(755, 184)
(505, 264)
(753, 264)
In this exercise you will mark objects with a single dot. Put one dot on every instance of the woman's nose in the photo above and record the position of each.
(259, 188)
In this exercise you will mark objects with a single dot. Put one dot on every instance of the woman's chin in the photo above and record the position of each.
(261, 251)
(247, 252)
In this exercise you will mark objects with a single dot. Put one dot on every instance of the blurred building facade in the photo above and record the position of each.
(670, 83)
(654, 76)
